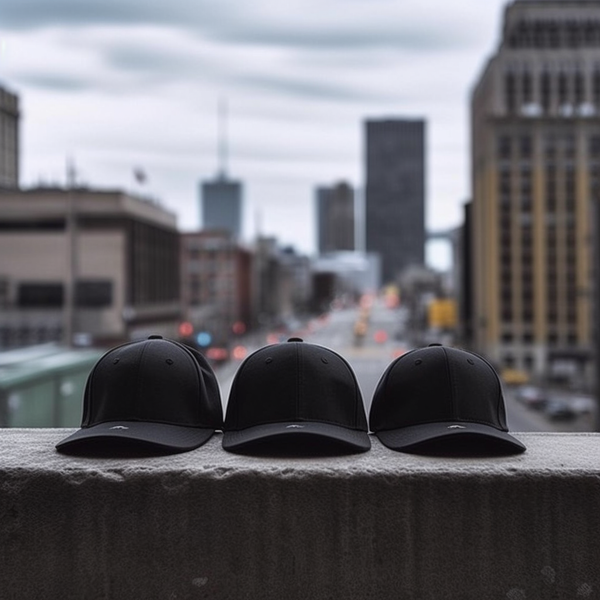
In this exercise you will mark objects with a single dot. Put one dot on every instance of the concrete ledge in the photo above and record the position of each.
(381, 525)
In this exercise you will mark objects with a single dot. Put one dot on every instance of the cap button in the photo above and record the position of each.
(295, 339)
(155, 337)
(435, 344)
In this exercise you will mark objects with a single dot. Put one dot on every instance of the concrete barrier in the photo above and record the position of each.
(381, 525)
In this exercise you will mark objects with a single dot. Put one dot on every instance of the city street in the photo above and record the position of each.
(382, 341)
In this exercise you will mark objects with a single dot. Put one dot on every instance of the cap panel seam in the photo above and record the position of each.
(199, 379)
(499, 391)
(453, 386)
(138, 387)
(233, 408)
(357, 391)
(200, 385)
(299, 382)
(359, 404)
(387, 375)
(89, 411)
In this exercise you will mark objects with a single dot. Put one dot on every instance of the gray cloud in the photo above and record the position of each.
(145, 58)
(35, 14)
(235, 23)
(356, 36)
(56, 82)
(309, 88)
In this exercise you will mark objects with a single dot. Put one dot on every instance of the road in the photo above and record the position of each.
(382, 342)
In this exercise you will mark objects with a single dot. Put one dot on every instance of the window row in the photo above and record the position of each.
(552, 33)
(91, 294)
(552, 338)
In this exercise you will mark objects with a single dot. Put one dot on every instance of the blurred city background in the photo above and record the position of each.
(84, 267)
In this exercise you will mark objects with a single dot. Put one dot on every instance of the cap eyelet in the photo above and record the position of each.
(418, 361)
(169, 361)
(115, 361)
(324, 360)
(269, 360)
(470, 361)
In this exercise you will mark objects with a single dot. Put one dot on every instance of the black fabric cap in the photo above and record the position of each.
(157, 393)
(437, 395)
(299, 391)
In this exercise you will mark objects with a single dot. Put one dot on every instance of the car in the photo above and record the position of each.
(559, 409)
(583, 405)
(531, 396)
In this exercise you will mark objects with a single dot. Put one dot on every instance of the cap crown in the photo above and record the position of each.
(438, 384)
(295, 381)
(154, 380)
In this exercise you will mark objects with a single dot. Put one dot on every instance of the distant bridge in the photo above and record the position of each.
(441, 234)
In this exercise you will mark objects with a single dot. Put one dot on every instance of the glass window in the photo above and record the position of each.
(40, 295)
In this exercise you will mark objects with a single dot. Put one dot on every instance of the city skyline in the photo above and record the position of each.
(137, 86)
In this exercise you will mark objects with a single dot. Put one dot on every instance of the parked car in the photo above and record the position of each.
(531, 396)
(559, 409)
(583, 405)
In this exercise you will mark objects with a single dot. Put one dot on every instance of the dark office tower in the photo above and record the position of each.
(335, 218)
(395, 194)
(535, 117)
(9, 140)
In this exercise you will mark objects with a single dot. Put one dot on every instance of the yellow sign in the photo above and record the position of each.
(442, 313)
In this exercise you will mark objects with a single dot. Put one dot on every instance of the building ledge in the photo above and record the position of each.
(210, 524)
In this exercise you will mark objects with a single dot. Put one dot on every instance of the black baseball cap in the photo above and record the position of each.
(439, 395)
(156, 393)
(296, 394)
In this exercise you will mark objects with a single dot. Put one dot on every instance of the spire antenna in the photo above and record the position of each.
(222, 138)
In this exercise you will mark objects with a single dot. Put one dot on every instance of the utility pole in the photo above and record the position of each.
(70, 299)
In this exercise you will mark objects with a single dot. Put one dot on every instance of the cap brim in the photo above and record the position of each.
(302, 436)
(159, 437)
(476, 437)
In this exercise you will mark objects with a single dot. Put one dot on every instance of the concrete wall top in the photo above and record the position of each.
(210, 524)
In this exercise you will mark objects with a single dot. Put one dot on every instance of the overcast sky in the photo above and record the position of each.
(121, 84)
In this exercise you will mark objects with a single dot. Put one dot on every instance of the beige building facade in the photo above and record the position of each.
(119, 264)
(535, 178)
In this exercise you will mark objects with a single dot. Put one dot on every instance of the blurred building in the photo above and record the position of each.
(86, 266)
(419, 286)
(395, 194)
(283, 284)
(535, 174)
(463, 273)
(9, 140)
(216, 286)
(221, 202)
(335, 218)
(352, 274)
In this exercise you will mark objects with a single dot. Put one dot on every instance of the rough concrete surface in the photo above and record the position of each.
(381, 525)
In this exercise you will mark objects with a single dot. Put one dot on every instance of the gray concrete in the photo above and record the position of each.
(381, 525)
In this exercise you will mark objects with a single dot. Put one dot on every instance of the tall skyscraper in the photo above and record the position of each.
(221, 199)
(335, 218)
(395, 194)
(535, 175)
(9, 140)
